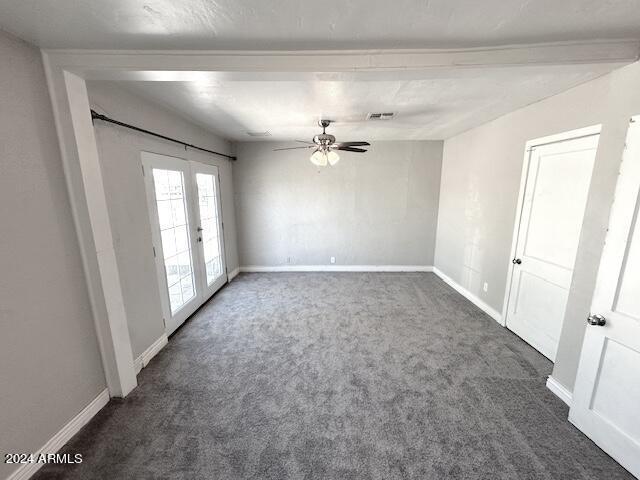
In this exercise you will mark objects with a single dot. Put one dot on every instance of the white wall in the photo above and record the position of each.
(50, 366)
(375, 208)
(479, 191)
(119, 151)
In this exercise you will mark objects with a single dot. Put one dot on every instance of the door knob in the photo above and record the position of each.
(516, 261)
(597, 320)
(199, 229)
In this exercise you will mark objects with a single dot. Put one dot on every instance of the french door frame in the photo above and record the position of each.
(203, 291)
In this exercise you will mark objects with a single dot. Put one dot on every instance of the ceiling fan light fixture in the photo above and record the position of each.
(319, 158)
(333, 158)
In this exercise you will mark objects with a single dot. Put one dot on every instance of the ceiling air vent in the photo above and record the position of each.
(380, 116)
(259, 134)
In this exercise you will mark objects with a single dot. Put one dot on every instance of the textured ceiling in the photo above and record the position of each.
(436, 107)
(305, 24)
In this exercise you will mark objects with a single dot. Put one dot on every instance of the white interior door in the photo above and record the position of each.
(174, 199)
(606, 396)
(210, 239)
(558, 176)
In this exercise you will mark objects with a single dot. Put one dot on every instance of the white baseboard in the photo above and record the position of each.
(63, 436)
(559, 390)
(493, 313)
(337, 268)
(233, 274)
(146, 356)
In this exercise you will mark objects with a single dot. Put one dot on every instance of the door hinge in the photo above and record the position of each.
(222, 224)
(164, 322)
(143, 171)
(154, 251)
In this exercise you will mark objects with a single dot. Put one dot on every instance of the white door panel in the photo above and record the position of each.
(533, 312)
(557, 184)
(612, 397)
(606, 396)
(559, 194)
(174, 198)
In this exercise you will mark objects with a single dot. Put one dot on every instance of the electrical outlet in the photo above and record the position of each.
(485, 287)
(333, 259)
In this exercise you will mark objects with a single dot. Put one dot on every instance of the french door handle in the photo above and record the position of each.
(516, 261)
(596, 320)
(199, 229)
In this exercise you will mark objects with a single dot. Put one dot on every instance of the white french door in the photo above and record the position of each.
(558, 176)
(186, 226)
(210, 240)
(606, 396)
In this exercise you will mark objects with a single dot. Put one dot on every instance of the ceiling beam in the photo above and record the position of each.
(187, 65)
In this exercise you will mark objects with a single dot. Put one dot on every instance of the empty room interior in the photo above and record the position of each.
(278, 239)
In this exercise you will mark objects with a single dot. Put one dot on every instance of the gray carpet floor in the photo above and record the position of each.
(338, 376)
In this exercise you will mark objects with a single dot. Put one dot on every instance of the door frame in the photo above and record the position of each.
(529, 146)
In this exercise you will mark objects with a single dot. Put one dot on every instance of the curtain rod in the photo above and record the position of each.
(96, 116)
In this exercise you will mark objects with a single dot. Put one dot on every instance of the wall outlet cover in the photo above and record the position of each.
(485, 287)
(333, 259)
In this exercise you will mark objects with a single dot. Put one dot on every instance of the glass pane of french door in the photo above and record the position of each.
(210, 233)
(173, 219)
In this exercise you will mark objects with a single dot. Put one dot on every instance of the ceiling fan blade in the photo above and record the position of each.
(350, 149)
(292, 148)
(352, 144)
(304, 141)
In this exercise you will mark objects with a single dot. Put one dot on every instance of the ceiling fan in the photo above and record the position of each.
(324, 147)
